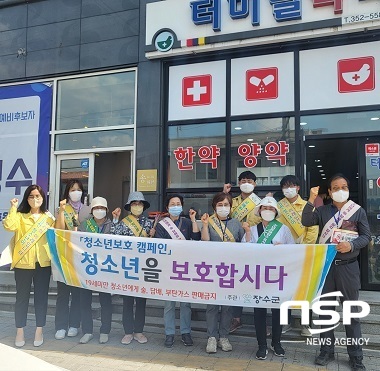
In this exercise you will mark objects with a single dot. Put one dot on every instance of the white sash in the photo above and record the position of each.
(349, 209)
(172, 229)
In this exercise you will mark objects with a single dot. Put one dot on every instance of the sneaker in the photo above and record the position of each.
(187, 340)
(140, 337)
(127, 339)
(225, 344)
(235, 324)
(60, 334)
(278, 350)
(262, 352)
(305, 331)
(73, 331)
(169, 341)
(85, 338)
(211, 345)
(103, 338)
(286, 328)
(356, 363)
(324, 358)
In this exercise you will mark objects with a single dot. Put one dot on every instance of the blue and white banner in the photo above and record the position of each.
(240, 274)
(25, 118)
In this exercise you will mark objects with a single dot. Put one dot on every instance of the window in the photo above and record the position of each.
(265, 147)
(196, 155)
(351, 122)
(96, 101)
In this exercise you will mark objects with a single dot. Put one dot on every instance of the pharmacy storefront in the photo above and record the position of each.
(273, 86)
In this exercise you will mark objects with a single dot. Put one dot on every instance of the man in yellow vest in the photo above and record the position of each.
(291, 207)
(242, 209)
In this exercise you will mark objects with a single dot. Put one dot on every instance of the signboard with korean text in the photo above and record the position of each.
(262, 84)
(372, 149)
(197, 90)
(25, 116)
(340, 76)
(147, 180)
(211, 25)
(243, 274)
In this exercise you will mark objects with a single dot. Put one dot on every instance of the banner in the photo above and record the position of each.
(240, 274)
(25, 117)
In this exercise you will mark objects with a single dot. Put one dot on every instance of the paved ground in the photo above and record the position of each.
(70, 355)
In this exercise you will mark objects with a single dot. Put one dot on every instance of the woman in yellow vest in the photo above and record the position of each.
(30, 260)
(71, 213)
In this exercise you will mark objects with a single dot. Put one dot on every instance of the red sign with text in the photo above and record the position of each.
(196, 90)
(372, 149)
(356, 74)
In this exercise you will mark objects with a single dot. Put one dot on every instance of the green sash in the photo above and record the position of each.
(270, 232)
(133, 224)
(216, 224)
(91, 226)
(292, 216)
(31, 237)
(69, 214)
(245, 207)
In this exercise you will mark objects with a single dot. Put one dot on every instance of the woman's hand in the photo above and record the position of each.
(205, 218)
(192, 214)
(116, 213)
(152, 232)
(62, 205)
(14, 202)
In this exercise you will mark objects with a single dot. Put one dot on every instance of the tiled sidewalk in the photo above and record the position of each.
(71, 355)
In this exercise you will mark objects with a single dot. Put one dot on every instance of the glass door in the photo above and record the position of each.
(78, 166)
(370, 154)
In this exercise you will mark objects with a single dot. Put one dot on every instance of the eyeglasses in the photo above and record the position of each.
(34, 198)
(336, 189)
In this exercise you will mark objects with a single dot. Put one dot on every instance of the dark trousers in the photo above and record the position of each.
(236, 312)
(260, 319)
(346, 279)
(133, 325)
(66, 316)
(40, 276)
(105, 300)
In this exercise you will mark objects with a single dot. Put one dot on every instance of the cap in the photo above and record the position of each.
(136, 196)
(266, 201)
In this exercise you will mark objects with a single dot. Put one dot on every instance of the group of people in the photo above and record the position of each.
(244, 218)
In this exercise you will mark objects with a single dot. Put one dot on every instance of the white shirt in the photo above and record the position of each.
(283, 236)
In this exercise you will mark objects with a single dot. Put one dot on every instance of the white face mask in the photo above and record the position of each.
(35, 203)
(268, 215)
(289, 192)
(247, 187)
(75, 196)
(223, 211)
(99, 213)
(340, 196)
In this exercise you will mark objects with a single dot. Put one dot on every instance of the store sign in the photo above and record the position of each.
(146, 180)
(201, 25)
(375, 162)
(207, 155)
(340, 76)
(197, 90)
(372, 149)
(262, 84)
(274, 151)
